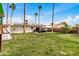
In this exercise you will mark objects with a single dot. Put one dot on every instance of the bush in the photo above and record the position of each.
(66, 28)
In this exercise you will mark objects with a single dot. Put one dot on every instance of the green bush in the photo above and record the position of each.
(66, 28)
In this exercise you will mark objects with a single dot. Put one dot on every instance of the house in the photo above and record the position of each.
(56, 27)
(76, 29)
(1, 21)
(4, 35)
(18, 28)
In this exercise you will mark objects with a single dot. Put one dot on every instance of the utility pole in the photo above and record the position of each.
(52, 16)
(24, 16)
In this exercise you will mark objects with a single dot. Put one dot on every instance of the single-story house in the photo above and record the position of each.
(56, 27)
(3, 33)
(18, 28)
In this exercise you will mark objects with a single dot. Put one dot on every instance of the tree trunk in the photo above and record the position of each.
(7, 13)
(24, 17)
(39, 18)
(11, 17)
(52, 15)
(35, 19)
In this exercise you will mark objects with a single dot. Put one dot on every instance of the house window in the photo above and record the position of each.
(31, 27)
(1, 21)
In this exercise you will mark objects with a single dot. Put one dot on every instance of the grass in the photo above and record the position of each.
(43, 44)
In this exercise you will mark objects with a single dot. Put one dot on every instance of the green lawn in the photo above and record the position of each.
(42, 44)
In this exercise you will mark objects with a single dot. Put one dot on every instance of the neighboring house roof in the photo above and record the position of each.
(1, 11)
(21, 25)
(6, 25)
(55, 26)
(58, 26)
(77, 27)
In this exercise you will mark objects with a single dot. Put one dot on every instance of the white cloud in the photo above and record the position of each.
(71, 20)
(75, 20)
(64, 20)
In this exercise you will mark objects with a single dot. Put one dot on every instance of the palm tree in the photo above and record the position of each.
(52, 15)
(24, 16)
(12, 6)
(36, 14)
(39, 7)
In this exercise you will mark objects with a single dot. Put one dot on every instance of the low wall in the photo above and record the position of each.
(6, 37)
(20, 30)
(57, 29)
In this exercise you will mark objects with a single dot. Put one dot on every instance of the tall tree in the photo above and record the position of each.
(12, 6)
(52, 16)
(39, 7)
(24, 16)
(36, 14)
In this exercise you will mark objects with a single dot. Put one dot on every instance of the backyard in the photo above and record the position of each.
(41, 44)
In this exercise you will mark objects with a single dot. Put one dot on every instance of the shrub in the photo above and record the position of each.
(66, 28)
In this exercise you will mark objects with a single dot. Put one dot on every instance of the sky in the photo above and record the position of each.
(63, 12)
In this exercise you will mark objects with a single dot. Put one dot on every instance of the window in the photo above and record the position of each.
(31, 27)
(0, 20)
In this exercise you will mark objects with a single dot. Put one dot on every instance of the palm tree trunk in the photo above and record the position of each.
(7, 13)
(39, 21)
(11, 17)
(35, 19)
(24, 17)
(39, 18)
(52, 16)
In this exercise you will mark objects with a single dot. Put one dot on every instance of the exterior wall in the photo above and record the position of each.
(57, 29)
(58, 26)
(20, 29)
(6, 35)
(28, 29)
(17, 29)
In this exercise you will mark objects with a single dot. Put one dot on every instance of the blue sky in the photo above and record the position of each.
(68, 12)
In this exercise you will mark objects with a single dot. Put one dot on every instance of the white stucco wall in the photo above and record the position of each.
(28, 29)
(6, 35)
(17, 30)
(20, 30)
